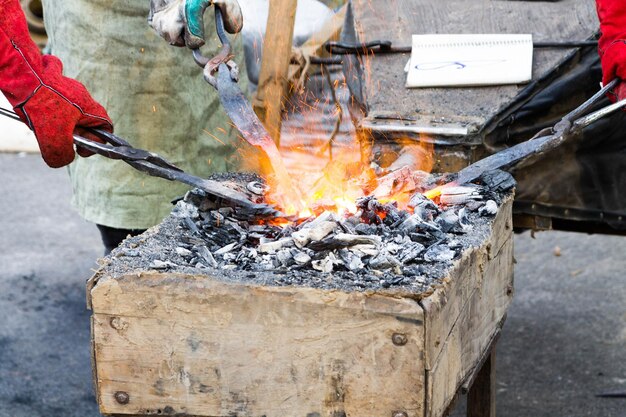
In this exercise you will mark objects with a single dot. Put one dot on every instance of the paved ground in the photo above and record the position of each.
(564, 341)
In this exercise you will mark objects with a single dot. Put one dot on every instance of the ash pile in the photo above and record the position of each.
(378, 247)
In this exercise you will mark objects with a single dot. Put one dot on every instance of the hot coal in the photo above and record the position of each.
(380, 246)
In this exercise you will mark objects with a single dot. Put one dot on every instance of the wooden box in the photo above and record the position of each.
(195, 345)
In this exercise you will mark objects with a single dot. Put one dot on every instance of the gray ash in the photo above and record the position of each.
(379, 247)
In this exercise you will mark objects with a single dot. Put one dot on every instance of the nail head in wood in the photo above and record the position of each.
(399, 339)
(122, 397)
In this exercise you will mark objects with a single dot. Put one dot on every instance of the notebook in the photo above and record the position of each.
(470, 60)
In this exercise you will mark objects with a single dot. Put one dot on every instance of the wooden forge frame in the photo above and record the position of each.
(195, 345)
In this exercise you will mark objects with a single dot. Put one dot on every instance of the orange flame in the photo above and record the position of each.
(332, 176)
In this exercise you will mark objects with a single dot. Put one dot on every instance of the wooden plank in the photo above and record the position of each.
(441, 313)
(202, 347)
(273, 79)
(481, 400)
(471, 108)
(463, 314)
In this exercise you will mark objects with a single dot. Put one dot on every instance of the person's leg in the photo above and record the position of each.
(111, 237)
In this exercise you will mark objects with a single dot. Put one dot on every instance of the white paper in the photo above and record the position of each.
(470, 60)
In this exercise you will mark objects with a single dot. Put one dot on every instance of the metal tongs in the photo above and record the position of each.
(156, 166)
(544, 141)
(222, 73)
(152, 164)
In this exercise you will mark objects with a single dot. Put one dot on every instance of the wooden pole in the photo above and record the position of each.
(275, 65)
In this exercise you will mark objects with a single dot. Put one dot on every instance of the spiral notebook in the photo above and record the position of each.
(470, 60)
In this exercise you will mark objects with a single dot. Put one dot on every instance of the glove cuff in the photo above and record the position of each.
(613, 61)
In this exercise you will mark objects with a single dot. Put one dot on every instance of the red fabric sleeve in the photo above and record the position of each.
(52, 105)
(18, 67)
(612, 43)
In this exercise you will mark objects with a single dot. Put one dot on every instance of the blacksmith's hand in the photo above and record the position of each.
(53, 106)
(181, 22)
(612, 44)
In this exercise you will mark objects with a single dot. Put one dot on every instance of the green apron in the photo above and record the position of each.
(156, 97)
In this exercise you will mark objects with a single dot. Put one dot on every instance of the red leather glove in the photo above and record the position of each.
(612, 43)
(53, 106)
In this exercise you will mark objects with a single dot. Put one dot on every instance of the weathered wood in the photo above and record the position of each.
(481, 400)
(387, 100)
(273, 79)
(463, 315)
(199, 345)
(194, 345)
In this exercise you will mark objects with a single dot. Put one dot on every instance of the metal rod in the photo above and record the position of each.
(386, 47)
(597, 115)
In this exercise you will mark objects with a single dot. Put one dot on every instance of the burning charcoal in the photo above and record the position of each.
(439, 253)
(351, 261)
(490, 209)
(216, 218)
(191, 240)
(266, 263)
(373, 204)
(370, 217)
(183, 252)
(391, 214)
(474, 205)
(402, 239)
(464, 221)
(365, 229)
(497, 180)
(369, 207)
(433, 229)
(327, 216)
(395, 280)
(447, 220)
(226, 248)
(365, 250)
(455, 244)
(257, 228)
(229, 256)
(420, 237)
(424, 207)
(158, 264)
(347, 227)
(184, 210)
(393, 248)
(206, 255)
(191, 226)
(344, 240)
(411, 223)
(301, 258)
(313, 233)
(411, 252)
(200, 199)
(383, 261)
(226, 211)
(399, 181)
(327, 264)
(451, 196)
(273, 246)
(285, 258)
(234, 228)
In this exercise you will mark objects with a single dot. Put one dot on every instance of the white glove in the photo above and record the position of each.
(181, 22)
